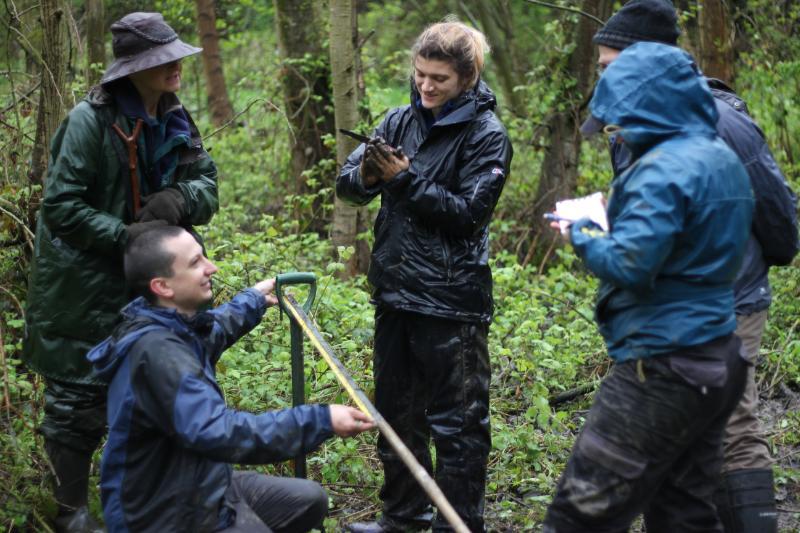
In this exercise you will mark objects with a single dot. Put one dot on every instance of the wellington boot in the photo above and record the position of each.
(71, 487)
(745, 502)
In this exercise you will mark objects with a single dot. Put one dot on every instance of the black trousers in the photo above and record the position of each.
(268, 503)
(432, 380)
(74, 415)
(652, 444)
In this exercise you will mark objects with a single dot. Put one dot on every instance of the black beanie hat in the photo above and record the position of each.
(640, 20)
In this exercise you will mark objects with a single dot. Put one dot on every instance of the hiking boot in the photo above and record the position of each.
(384, 525)
(78, 521)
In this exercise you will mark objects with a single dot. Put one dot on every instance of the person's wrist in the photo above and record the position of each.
(368, 180)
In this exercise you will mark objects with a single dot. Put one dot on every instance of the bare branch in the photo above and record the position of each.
(240, 113)
(28, 233)
(567, 8)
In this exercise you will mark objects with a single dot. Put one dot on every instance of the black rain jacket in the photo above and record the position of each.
(431, 248)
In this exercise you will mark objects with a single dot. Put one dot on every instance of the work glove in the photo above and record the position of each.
(370, 172)
(137, 228)
(385, 161)
(166, 205)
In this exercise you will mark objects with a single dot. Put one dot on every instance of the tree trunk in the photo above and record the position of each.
(219, 104)
(51, 101)
(348, 221)
(498, 26)
(690, 30)
(716, 46)
(95, 41)
(559, 174)
(307, 94)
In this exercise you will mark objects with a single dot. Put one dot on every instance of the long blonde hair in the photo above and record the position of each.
(456, 43)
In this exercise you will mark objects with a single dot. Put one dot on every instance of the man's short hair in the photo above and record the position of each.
(146, 258)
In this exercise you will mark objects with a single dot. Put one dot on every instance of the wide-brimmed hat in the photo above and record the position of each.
(141, 41)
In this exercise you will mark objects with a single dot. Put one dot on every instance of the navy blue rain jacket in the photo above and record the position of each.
(679, 216)
(431, 251)
(743, 136)
(171, 437)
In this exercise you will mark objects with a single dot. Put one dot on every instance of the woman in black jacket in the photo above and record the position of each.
(439, 175)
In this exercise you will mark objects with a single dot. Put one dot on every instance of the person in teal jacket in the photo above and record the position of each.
(91, 206)
(679, 220)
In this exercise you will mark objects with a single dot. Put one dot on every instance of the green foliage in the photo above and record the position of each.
(543, 340)
(768, 75)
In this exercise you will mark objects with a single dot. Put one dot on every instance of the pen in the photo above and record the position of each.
(557, 218)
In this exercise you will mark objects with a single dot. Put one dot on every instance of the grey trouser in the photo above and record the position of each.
(267, 504)
(744, 445)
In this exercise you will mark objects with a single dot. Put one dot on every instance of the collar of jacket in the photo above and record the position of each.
(137, 318)
(170, 318)
(463, 108)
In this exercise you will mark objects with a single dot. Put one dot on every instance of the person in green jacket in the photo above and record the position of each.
(126, 159)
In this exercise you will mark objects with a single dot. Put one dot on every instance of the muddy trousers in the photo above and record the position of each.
(432, 381)
(652, 444)
(73, 426)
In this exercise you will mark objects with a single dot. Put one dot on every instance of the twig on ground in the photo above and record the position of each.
(571, 394)
(369, 511)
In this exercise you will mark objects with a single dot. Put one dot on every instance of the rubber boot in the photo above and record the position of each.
(745, 501)
(71, 489)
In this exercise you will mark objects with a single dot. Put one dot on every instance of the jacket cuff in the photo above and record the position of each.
(582, 231)
(357, 182)
(398, 183)
(325, 419)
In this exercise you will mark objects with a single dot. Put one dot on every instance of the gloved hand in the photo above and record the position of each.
(137, 228)
(369, 171)
(166, 205)
(379, 161)
(385, 160)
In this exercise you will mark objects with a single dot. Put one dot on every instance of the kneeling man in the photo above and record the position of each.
(166, 465)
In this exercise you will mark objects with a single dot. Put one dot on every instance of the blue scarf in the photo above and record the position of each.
(160, 139)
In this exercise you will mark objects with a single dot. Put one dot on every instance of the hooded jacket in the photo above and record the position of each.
(431, 248)
(679, 215)
(775, 201)
(171, 437)
(76, 286)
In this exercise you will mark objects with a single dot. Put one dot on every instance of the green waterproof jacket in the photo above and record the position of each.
(77, 286)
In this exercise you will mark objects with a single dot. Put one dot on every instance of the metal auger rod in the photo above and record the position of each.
(417, 470)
